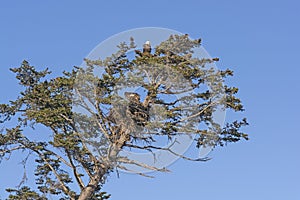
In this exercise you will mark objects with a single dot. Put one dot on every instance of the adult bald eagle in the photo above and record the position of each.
(147, 47)
(136, 111)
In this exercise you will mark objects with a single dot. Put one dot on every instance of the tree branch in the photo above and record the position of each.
(198, 113)
(135, 172)
(77, 176)
(143, 165)
(166, 149)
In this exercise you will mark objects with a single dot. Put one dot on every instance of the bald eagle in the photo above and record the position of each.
(132, 97)
(147, 47)
(136, 111)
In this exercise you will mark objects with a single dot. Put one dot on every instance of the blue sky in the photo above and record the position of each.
(259, 40)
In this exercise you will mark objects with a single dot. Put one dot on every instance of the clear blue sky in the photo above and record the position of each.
(259, 40)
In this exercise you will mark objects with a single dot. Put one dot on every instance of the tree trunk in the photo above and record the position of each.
(90, 189)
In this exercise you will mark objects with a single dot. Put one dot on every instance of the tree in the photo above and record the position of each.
(93, 118)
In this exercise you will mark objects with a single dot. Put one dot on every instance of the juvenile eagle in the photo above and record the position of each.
(132, 97)
(136, 111)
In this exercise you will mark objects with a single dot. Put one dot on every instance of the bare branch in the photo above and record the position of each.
(85, 106)
(166, 149)
(135, 172)
(4, 151)
(139, 164)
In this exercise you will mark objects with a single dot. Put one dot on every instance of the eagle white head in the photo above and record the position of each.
(147, 47)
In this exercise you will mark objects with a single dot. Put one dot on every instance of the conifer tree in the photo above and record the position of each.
(91, 123)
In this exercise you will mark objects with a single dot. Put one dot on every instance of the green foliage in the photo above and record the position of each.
(24, 194)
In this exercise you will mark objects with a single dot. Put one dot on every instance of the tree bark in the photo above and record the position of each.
(90, 189)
